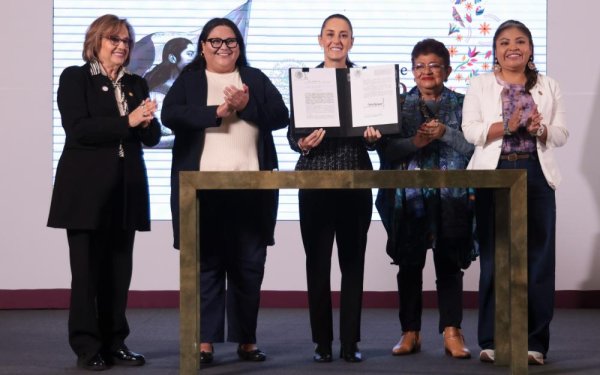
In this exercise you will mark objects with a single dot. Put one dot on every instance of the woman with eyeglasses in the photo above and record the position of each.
(101, 190)
(419, 219)
(223, 113)
(516, 118)
(341, 214)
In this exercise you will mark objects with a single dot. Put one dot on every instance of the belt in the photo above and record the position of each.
(514, 156)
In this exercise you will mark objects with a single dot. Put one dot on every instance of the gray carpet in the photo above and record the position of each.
(35, 342)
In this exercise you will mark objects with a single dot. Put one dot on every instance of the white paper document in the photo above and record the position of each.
(345, 100)
(374, 95)
(315, 98)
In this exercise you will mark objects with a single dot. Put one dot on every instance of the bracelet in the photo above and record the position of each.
(303, 151)
(506, 128)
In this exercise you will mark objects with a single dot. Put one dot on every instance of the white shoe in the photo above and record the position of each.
(487, 355)
(535, 358)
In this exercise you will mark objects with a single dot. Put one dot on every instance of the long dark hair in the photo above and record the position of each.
(342, 17)
(199, 61)
(167, 68)
(531, 74)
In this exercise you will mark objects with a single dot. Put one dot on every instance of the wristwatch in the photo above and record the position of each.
(540, 131)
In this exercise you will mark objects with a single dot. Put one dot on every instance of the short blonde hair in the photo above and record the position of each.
(105, 26)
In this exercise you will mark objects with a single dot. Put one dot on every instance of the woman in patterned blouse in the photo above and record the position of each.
(515, 117)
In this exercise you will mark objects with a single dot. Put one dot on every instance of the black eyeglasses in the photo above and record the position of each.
(218, 42)
(434, 67)
(115, 40)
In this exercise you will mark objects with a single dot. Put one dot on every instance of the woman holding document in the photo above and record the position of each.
(341, 214)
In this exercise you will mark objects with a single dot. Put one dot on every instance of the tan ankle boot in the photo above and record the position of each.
(409, 343)
(454, 343)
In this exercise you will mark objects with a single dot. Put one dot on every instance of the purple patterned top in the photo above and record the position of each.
(514, 96)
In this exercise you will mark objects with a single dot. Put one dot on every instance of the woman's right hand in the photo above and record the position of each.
(515, 119)
(224, 110)
(311, 141)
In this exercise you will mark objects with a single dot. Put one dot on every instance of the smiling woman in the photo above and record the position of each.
(341, 214)
(277, 39)
(420, 219)
(100, 193)
(515, 117)
(223, 113)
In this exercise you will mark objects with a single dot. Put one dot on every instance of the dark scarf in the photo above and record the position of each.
(417, 218)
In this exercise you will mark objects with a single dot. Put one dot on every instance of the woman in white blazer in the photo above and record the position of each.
(515, 117)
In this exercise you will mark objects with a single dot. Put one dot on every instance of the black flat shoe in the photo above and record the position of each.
(125, 357)
(350, 353)
(207, 357)
(255, 355)
(96, 363)
(323, 353)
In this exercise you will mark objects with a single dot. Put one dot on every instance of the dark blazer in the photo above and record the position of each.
(89, 168)
(184, 110)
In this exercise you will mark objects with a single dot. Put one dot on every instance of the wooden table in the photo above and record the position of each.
(511, 241)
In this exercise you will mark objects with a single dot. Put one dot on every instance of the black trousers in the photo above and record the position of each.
(345, 215)
(232, 264)
(101, 265)
(449, 286)
(541, 256)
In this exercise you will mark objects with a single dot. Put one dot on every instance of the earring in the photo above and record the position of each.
(497, 67)
(531, 64)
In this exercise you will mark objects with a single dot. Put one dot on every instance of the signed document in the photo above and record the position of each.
(345, 101)
(373, 92)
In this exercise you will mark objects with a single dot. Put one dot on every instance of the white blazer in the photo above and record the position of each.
(483, 107)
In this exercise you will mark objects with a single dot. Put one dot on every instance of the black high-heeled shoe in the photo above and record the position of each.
(323, 353)
(350, 353)
(255, 355)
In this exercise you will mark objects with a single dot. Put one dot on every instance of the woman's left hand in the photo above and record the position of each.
(371, 135)
(534, 123)
(236, 98)
(143, 114)
(433, 129)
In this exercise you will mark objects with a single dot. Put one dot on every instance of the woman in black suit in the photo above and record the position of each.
(223, 113)
(101, 191)
(343, 215)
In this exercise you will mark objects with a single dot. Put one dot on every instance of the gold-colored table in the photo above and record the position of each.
(511, 241)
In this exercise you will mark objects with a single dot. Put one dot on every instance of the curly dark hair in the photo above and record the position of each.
(427, 46)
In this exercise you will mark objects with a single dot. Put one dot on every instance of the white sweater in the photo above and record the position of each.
(233, 145)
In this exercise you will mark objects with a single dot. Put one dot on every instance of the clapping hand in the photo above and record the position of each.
(534, 123)
(143, 114)
(428, 132)
(237, 99)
